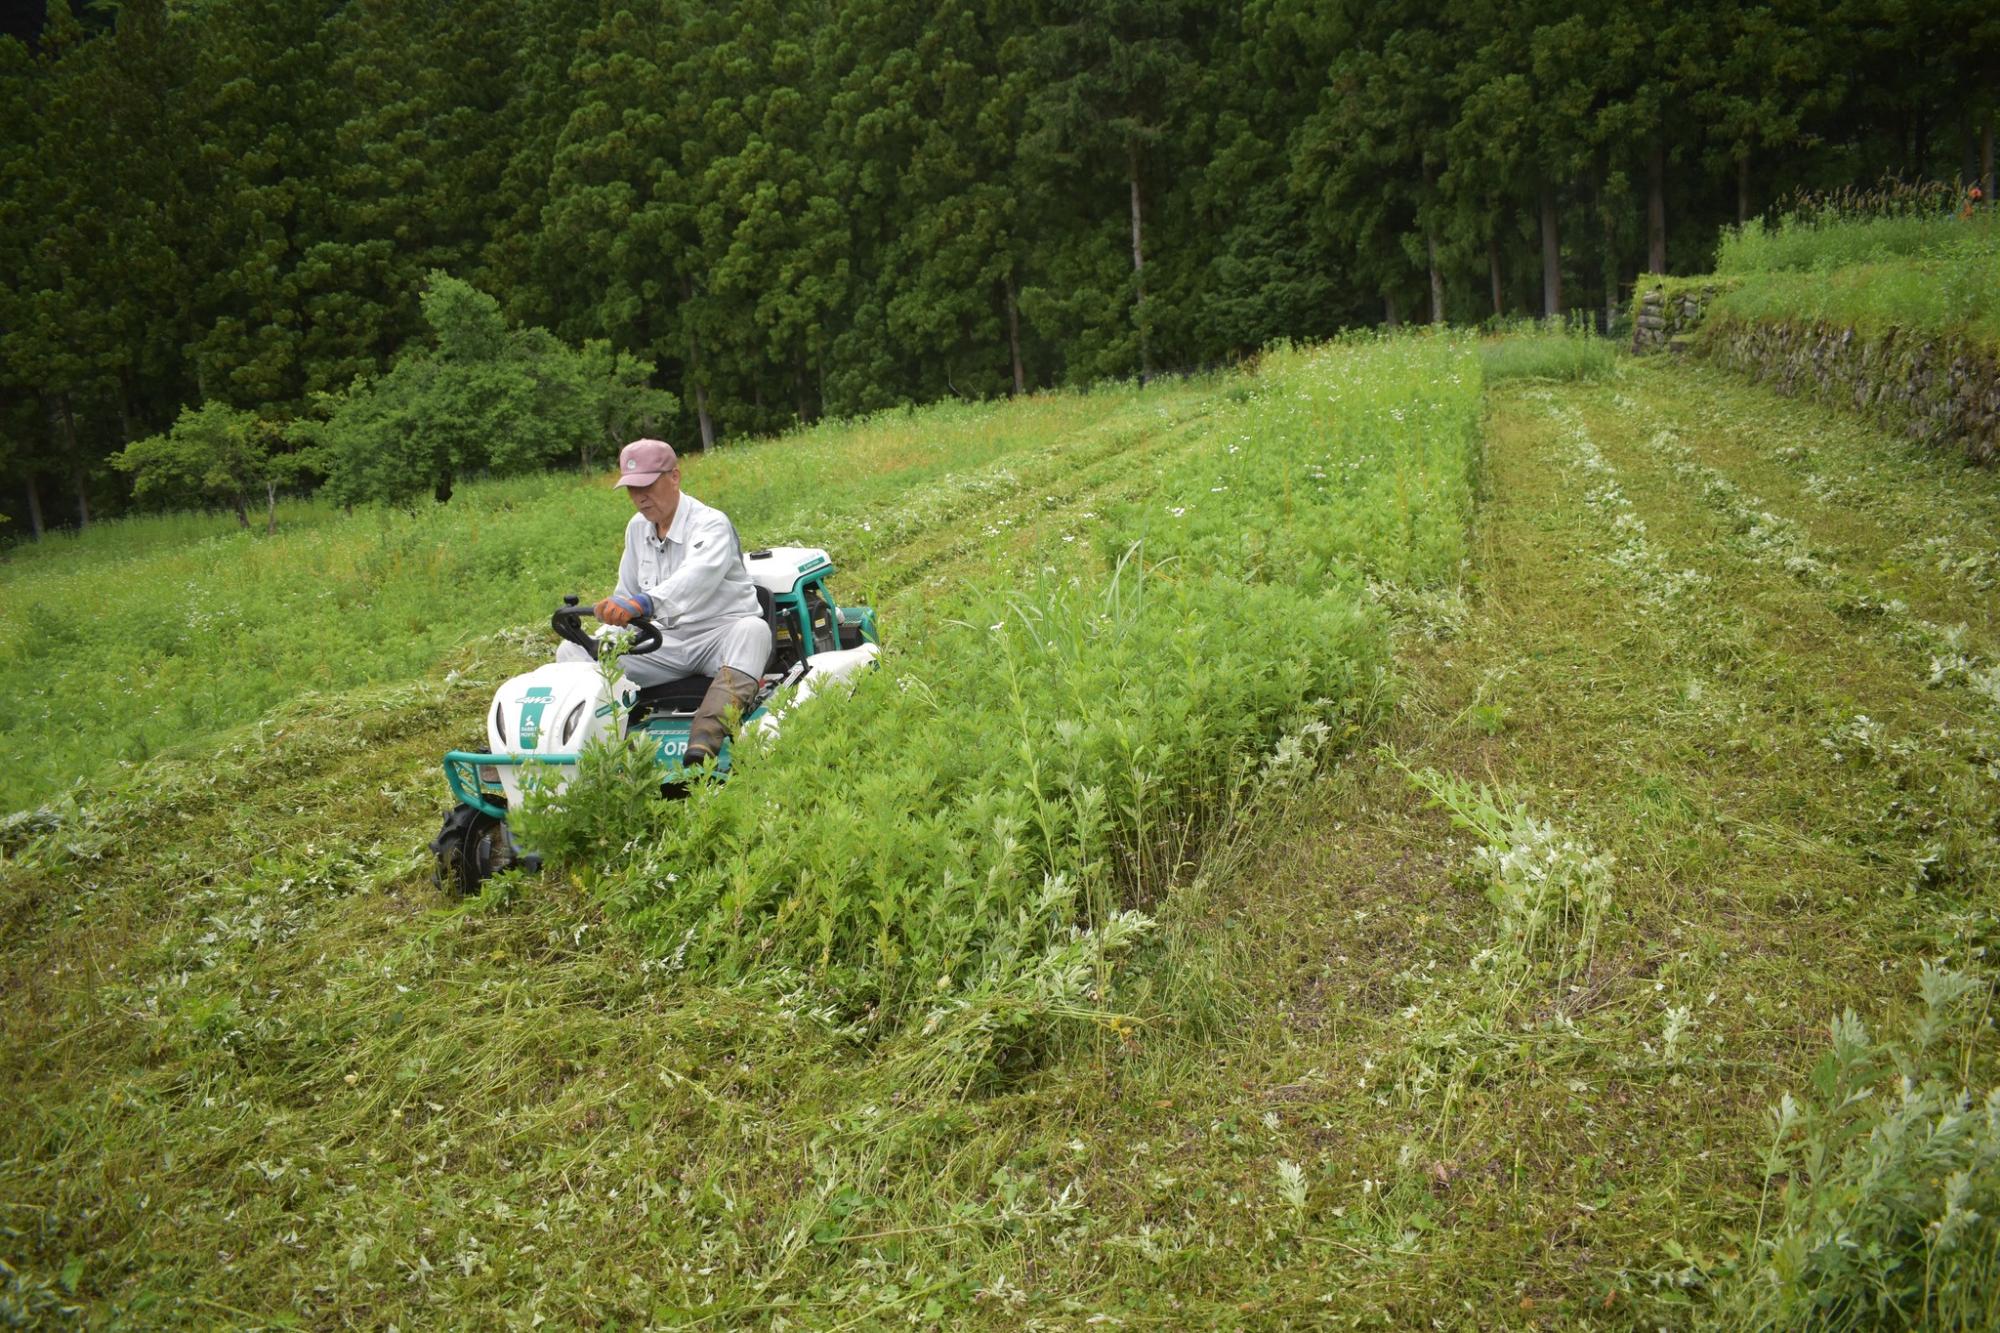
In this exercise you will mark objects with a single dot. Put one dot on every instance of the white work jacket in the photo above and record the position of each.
(695, 574)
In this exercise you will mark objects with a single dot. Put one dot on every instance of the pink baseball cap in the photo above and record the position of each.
(641, 462)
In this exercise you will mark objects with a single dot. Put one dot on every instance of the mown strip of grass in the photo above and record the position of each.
(1524, 1059)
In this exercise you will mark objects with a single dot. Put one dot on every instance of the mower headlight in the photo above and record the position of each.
(569, 723)
(490, 773)
(499, 722)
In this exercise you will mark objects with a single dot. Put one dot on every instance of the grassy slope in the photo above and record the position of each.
(520, 1120)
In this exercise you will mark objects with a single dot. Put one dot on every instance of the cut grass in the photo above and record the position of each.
(1758, 891)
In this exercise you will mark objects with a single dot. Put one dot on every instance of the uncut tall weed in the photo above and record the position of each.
(1544, 354)
(1820, 244)
(1551, 890)
(1882, 1202)
(1344, 463)
(891, 842)
(1551, 893)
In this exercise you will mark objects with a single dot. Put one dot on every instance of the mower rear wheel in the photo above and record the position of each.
(471, 848)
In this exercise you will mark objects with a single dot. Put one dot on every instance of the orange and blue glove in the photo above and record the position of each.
(622, 608)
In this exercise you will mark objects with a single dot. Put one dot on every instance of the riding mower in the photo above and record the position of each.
(544, 718)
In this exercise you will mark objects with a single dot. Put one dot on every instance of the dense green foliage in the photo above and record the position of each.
(214, 453)
(488, 398)
(1892, 1222)
(793, 213)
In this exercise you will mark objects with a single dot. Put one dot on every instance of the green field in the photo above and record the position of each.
(1362, 842)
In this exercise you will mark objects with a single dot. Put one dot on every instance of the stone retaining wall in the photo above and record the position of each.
(1661, 319)
(1942, 391)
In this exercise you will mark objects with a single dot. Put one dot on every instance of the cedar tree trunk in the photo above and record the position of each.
(66, 421)
(1656, 209)
(694, 377)
(1431, 251)
(1139, 266)
(802, 389)
(1437, 276)
(1014, 336)
(1493, 271)
(35, 524)
(1610, 267)
(125, 403)
(1552, 278)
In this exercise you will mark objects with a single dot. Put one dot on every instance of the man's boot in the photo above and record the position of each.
(730, 689)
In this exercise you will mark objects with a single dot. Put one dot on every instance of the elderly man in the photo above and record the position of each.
(683, 570)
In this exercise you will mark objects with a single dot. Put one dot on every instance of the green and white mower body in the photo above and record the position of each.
(541, 721)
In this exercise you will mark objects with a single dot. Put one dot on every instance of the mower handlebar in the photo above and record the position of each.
(567, 622)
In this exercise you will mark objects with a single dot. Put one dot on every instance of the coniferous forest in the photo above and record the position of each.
(753, 214)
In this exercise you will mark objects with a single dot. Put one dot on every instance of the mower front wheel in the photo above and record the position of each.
(471, 848)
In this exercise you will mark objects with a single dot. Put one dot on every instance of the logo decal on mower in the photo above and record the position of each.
(533, 704)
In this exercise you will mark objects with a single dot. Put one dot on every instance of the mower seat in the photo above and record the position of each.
(769, 607)
(670, 696)
(684, 695)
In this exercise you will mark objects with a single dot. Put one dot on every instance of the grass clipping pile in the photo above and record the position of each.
(974, 848)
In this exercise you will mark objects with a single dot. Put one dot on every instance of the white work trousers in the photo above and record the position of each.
(742, 643)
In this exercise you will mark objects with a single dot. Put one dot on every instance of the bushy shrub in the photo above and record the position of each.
(1890, 1207)
(212, 454)
(486, 397)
